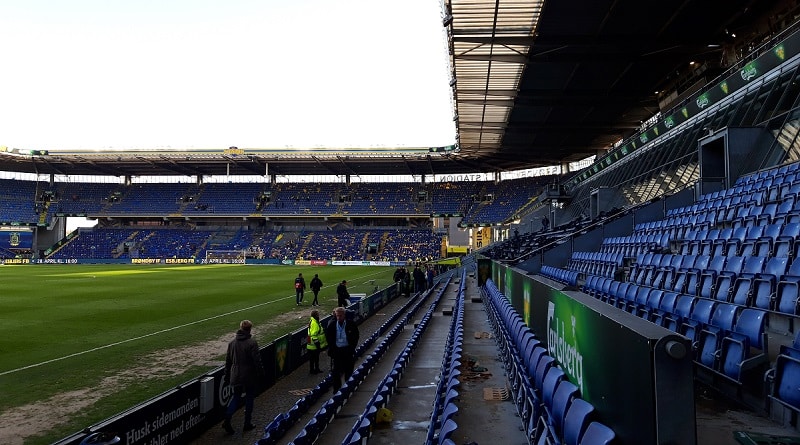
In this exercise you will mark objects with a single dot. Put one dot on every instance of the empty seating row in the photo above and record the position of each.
(364, 424)
(774, 240)
(637, 243)
(772, 174)
(727, 339)
(445, 407)
(277, 428)
(561, 275)
(549, 404)
(752, 281)
(596, 263)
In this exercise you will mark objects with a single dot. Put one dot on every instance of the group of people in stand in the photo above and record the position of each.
(423, 279)
(342, 294)
(243, 367)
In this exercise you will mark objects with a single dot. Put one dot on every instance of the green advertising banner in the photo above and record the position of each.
(609, 354)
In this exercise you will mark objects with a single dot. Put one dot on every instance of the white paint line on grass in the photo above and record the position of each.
(111, 345)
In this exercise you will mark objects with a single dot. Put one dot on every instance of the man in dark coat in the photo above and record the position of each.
(342, 294)
(243, 370)
(419, 279)
(316, 285)
(342, 336)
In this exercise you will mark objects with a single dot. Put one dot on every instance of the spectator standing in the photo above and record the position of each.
(342, 336)
(243, 370)
(316, 342)
(315, 285)
(398, 276)
(419, 279)
(429, 275)
(545, 223)
(342, 295)
(299, 288)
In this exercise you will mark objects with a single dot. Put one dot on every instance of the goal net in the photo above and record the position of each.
(224, 257)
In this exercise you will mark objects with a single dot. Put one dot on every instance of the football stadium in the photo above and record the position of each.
(604, 249)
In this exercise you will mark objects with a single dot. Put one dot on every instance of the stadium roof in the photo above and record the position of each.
(535, 84)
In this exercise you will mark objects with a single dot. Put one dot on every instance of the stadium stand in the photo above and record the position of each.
(691, 233)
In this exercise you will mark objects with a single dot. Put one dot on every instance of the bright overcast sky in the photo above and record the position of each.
(207, 74)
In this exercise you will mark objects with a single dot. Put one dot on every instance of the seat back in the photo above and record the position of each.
(786, 381)
(752, 324)
(642, 294)
(577, 419)
(544, 365)
(598, 434)
(684, 306)
(724, 316)
(668, 302)
(565, 393)
(447, 430)
(776, 266)
(702, 262)
(654, 299)
(703, 310)
(753, 265)
(734, 264)
(794, 269)
(787, 297)
(551, 381)
(533, 359)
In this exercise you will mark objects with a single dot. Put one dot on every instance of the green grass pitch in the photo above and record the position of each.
(67, 327)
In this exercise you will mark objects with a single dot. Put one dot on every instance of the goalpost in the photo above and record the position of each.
(224, 257)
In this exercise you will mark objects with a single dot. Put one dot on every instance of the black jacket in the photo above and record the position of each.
(342, 293)
(350, 330)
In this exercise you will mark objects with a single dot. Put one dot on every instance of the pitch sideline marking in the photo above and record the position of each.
(128, 340)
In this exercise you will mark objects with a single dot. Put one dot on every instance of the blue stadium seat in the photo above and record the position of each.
(683, 309)
(736, 352)
(757, 290)
(598, 434)
(710, 337)
(665, 308)
(784, 243)
(784, 378)
(577, 419)
(447, 430)
(532, 360)
(565, 393)
(652, 304)
(550, 383)
(700, 316)
(787, 294)
(544, 365)
(450, 410)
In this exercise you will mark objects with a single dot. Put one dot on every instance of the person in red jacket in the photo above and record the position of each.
(299, 288)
